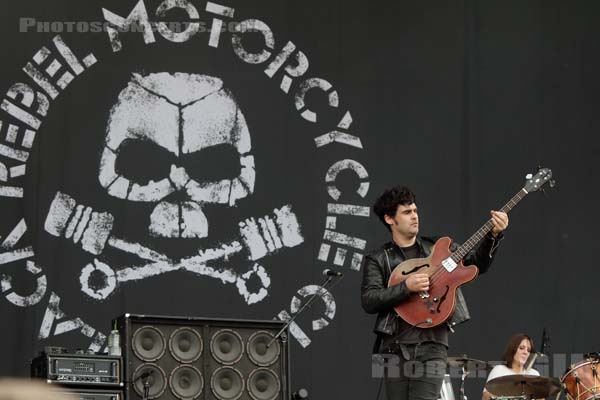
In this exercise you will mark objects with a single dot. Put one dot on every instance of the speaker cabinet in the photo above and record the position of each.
(183, 358)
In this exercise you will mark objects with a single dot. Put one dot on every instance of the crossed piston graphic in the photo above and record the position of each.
(92, 231)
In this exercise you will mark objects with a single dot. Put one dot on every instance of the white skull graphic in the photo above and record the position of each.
(183, 114)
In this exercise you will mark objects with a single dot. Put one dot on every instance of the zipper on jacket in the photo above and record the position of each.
(386, 320)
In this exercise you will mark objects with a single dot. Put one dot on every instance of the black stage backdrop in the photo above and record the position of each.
(207, 172)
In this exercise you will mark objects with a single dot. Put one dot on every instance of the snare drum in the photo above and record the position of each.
(581, 380)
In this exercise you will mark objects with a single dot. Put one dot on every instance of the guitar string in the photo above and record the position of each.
(437, 275)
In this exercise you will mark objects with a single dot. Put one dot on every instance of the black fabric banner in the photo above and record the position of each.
(206, 159)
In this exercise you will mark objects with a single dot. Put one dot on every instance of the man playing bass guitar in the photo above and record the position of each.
(422, 346)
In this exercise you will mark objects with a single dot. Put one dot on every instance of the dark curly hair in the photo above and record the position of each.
(513, 346)
(388, 202)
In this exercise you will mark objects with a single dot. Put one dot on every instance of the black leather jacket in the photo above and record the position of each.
(377, 267)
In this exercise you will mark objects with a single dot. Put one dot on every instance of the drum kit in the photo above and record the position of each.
(580, 381)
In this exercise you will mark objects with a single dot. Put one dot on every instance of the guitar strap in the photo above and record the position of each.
(427, 248)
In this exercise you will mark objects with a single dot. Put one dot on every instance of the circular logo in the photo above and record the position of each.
(193, 166)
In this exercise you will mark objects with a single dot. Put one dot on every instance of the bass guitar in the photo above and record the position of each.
(446, 270)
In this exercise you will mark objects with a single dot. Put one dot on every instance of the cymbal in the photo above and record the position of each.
(470, 364)
(516, 385)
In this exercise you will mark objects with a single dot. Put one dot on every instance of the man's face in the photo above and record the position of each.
(405, 222)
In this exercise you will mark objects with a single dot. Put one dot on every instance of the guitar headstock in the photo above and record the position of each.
(537, 181)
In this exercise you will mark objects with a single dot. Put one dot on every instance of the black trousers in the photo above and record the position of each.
(420, 372)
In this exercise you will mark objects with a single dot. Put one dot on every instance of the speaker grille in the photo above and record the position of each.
(186, 382)
(227, 383)
(227, 346)
(263, 384)
(187, 358)
(156, 380)
(258, 351)
(185, 345)
(148, 343)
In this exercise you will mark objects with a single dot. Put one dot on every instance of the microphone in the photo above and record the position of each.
(328, 272)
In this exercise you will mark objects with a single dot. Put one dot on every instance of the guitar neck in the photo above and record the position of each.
(486, 228)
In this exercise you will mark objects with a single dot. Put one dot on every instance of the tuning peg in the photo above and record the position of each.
(551, 183)
(528, 176)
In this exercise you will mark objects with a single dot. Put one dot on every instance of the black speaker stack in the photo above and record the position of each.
(184, 358)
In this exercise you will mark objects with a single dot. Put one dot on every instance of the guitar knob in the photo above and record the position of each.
(432, 311)
(435, 299)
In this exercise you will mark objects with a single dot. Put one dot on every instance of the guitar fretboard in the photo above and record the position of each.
(487, 227)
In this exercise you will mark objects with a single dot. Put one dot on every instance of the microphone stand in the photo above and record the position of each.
(146, 389)
(146, 383)
(310, 300)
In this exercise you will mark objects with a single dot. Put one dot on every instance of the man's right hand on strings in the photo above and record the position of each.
(417, 283)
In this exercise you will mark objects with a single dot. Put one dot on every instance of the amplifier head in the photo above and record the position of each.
(78, 369)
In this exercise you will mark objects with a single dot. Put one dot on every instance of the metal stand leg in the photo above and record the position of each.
(463, 396)
(146, 390)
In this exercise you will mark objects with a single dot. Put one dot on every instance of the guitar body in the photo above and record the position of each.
(432, 308)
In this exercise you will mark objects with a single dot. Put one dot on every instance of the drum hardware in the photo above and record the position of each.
(446, 391)
(595, 355)
(470, 364)
(580, 381)
(467, 365)
(522, 385)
